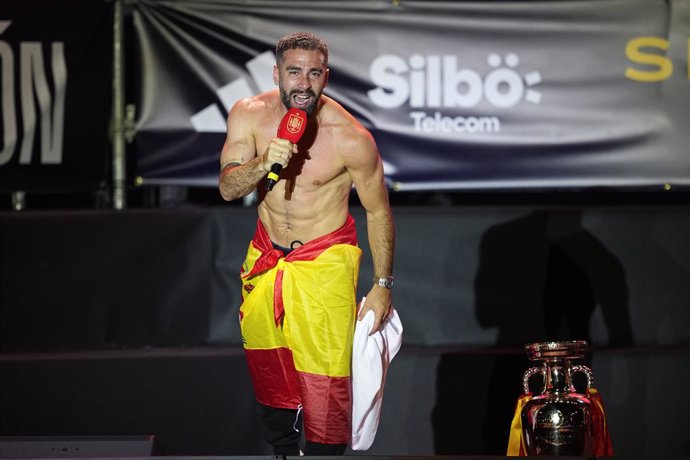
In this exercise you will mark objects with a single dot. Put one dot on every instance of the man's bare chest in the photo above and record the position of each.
(316, 163)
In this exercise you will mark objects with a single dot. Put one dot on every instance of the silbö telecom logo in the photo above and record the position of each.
(435, 82)
(424, 82)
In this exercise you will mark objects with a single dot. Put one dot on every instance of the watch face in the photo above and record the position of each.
(385, 282)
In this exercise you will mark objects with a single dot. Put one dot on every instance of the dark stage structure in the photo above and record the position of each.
(125, 324)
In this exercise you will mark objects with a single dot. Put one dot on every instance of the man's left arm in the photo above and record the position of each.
(366, 169)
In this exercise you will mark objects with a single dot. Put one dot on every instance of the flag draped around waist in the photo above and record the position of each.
(266, 257)
(297, 321)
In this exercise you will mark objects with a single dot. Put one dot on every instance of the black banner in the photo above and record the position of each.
(459, 95)
(56, 85)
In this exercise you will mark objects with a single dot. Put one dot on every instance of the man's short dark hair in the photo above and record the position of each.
(302, 41)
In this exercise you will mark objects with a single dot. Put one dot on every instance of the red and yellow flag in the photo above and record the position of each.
(297, 323)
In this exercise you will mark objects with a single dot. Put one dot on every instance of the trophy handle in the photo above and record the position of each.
(585, 370)
(528, 374)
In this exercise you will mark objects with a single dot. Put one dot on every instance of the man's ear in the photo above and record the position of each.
(328, 74)
(275, 75)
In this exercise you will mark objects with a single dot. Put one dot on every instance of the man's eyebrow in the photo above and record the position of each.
(296, 67)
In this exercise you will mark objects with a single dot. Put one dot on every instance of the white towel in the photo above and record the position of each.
(371, 356)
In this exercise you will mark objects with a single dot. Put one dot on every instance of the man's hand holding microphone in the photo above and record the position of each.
(282, 147)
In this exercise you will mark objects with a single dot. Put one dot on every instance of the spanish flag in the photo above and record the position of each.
(297, 320)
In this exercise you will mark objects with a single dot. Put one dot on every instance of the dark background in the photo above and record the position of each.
(124, 323)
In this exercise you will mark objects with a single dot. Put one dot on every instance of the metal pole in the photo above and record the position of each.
(118, 122)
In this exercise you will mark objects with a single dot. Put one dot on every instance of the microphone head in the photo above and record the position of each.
(292, 125)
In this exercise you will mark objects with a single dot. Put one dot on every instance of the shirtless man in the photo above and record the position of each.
(290, 319)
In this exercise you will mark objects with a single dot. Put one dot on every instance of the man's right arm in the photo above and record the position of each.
(238, 180)
(241, 168)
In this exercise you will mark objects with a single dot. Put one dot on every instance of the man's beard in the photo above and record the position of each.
(285, 97)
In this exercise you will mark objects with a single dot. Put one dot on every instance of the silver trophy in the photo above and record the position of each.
(558, 421)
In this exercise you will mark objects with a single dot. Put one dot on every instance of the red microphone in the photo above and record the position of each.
(291, 127)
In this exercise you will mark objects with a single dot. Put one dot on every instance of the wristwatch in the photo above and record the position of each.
(386, 281)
